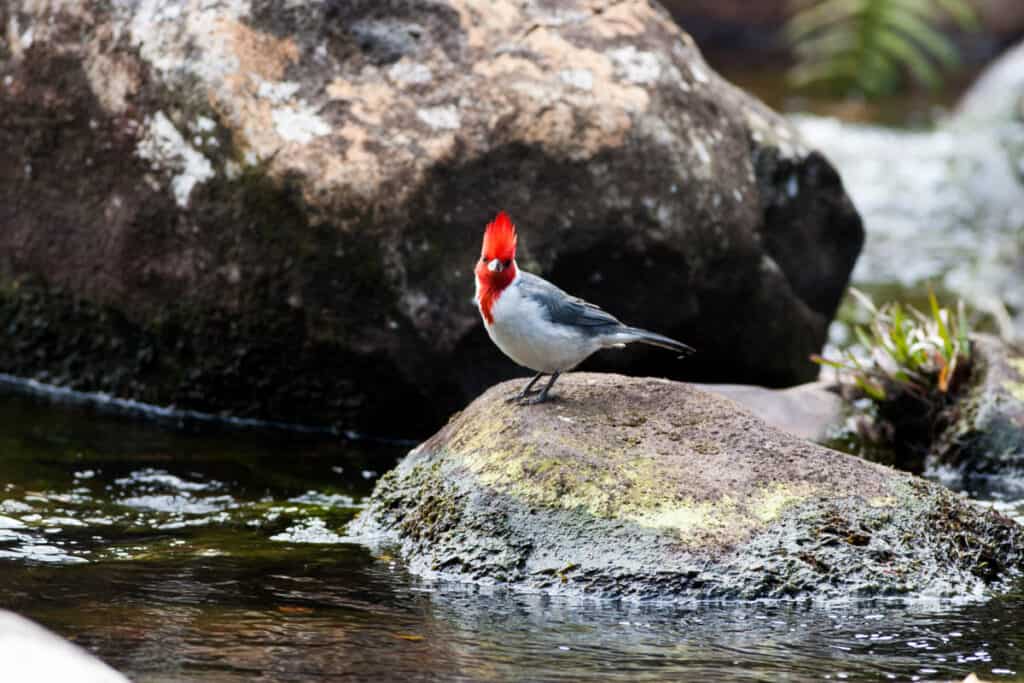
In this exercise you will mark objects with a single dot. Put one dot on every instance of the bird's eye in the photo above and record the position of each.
(506, 263)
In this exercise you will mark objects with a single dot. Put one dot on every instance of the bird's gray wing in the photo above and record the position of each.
(563, 308)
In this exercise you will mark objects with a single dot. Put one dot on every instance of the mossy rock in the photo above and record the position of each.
(984, 445)
(648, 488)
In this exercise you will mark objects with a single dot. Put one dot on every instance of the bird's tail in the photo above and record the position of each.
(660, 340)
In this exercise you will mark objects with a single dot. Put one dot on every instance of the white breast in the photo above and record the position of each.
(523, 332)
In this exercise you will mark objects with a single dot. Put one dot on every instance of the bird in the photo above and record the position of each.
(538, 325)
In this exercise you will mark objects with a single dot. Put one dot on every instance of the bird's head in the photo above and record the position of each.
(497, 265)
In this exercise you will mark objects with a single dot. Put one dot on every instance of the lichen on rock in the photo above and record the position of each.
(648, 488)
(982, 447)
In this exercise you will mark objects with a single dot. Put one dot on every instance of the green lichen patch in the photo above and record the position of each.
(698, 498)
(1016, 389)
(609, 465)
(986, 435)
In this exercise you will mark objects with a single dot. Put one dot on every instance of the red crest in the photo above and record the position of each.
(500, 238)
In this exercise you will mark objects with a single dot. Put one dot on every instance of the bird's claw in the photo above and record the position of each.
(528, 399)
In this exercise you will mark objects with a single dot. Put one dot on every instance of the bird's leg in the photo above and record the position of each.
(543, 395)
(526, 390)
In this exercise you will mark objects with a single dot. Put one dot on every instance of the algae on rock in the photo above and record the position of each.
(648, 488)
(983, 446)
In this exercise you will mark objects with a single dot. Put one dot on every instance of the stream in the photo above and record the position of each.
(220, 555)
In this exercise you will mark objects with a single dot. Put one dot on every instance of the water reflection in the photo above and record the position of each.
(341, 612)
(221, 558)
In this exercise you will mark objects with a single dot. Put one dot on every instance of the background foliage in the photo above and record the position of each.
(871, 46)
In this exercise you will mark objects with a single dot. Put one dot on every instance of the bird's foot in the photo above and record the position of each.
(521, 396)
(528, 397)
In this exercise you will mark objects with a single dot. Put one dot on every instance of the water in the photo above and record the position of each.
(222, 557)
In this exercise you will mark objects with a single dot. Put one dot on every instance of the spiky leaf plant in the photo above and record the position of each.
(911, 365)
(868, 46)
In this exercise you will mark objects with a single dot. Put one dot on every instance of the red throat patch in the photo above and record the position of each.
(499, 243)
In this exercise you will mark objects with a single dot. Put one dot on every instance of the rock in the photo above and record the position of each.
(984, 447)
(811, 411)
(943, 206)
(998, 95)
(272, 209)
(973, 678)
(31, 653)
(647, 488)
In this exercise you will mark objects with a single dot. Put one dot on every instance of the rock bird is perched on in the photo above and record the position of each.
(538, 325)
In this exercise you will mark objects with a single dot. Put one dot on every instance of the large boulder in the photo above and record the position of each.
(943, 206)
(653, 489)
(272, 209)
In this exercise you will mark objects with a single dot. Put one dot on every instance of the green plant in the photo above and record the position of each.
(869, 45)
(904, 380)
(906, 352)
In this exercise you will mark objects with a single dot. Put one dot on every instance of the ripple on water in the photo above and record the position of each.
(166, 480)
(312, 530)
(228, 565)
(16, 545)
(152, 513)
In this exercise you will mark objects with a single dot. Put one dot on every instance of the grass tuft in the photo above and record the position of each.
(907, 351)
(911, 367)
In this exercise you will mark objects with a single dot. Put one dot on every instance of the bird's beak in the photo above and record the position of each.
(494, 265)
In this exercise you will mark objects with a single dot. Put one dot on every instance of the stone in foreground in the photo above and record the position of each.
(31, 653)
(646, 488)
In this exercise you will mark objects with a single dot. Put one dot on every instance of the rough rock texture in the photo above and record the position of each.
(943, 206)
(272, 209)
(652, 489)
(986, 441)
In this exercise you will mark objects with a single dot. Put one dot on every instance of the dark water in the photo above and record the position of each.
(222, 558)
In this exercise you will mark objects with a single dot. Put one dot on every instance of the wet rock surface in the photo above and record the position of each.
(648, 488)
(984, 447)
(281, 203)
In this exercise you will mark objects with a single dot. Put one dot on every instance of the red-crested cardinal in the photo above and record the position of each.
(538, 325)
